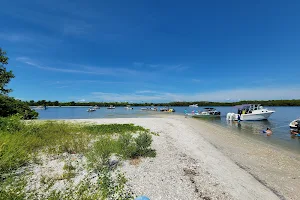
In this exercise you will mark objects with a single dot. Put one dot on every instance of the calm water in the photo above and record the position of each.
(278, 122)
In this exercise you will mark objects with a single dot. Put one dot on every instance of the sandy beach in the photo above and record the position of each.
(198, 160)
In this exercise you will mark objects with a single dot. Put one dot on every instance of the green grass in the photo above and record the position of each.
(21, 142)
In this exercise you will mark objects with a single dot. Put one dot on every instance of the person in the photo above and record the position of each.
(239, 117)
(269, 131)
(298, 125)
(185, 112)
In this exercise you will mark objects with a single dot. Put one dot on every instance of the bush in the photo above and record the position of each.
(143, 143)
(127, 147)
(10, 106)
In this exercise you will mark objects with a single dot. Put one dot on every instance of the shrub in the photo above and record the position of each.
(10, 106)
(126, 145)
(143, 143)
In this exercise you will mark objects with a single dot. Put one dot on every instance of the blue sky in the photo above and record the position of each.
(154, 51)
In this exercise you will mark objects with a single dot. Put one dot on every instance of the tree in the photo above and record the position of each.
(8, 105)
(5, 75)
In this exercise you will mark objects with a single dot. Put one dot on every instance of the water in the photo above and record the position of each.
(278, 121)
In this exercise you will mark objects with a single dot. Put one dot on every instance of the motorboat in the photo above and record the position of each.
(193, 106)
(295, 124)
(149, 109)
(128, 107)
(207, 112)
(111, 107)
(91, 110)
(96, 107)
(152, 109)
(250, 112)
(40, 108)
(166, 109)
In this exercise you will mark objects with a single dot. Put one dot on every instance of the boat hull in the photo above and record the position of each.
(255, 117)
(293, 125)
(250, 116)
(206, 116)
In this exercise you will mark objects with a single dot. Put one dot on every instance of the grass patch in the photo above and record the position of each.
(21, 142)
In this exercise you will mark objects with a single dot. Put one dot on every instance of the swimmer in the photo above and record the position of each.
(268, 132)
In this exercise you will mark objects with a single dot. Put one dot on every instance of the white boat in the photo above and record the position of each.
(153, 109)
(193, 106)
(295, 124)
(207, 112)
(96, 107)
(111, 107)
(144, 108)
(250, 112)
(91, 110)
(128, 107)
(40, 108)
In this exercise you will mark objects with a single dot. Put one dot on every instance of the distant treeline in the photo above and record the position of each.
(294, 102)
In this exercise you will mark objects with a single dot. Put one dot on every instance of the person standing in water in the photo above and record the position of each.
(239, 117)
(268, 131)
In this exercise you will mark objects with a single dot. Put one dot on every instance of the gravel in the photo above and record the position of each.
(187, 166)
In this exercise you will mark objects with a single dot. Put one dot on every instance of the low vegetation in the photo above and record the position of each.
(97, 150)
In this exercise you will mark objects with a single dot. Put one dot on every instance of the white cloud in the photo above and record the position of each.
(13, 37)
(222, 95)
(162, 67)
(81, 100)
(196, 80)
(145, 91)
(83, 69)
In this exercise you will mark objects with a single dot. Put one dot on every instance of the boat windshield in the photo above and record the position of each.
(248, 108)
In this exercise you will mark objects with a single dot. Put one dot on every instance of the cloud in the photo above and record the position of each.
(13, 37)
(196, 80)
(81, 100)
(72, 82)
(84, 69)
(145, 91)
(103, 96)
(221, 95)
(64, 86)
(161, 67)
(76, 27)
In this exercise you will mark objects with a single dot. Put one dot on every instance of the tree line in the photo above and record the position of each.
(293, 102)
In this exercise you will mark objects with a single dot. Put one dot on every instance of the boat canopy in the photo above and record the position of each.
(242, 106)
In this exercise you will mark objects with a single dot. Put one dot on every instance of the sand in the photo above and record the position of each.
(198, 160)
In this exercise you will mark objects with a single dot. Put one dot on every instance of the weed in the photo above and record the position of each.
(21, 142)
(143, 143)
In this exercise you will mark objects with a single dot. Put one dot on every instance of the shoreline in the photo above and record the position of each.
(208, 162)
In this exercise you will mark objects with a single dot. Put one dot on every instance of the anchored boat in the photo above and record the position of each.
(91, 110)
(167, 109)
(111, 107)
(207, 112)
(128, 107)
(193, 106)
(250, 112)
(96, 107)
(295, 124)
